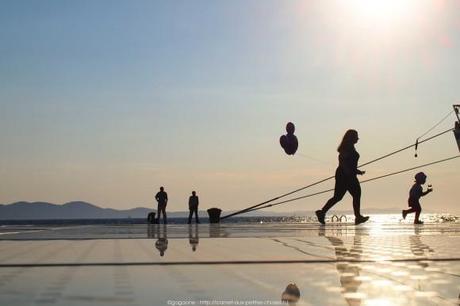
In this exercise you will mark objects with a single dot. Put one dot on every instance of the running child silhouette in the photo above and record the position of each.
(415, 193)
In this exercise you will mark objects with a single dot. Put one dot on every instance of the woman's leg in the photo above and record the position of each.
(355, 191)
(339, 192)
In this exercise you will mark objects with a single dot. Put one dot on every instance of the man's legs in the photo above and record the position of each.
(196, 215)
(162, 210)
(190, 216)
(158, 213)
(165, 219)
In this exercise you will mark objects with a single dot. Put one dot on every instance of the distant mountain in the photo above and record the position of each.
(78, 210)
(83, 210)
(71, 210)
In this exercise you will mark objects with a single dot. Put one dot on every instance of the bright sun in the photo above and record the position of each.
(381, 13)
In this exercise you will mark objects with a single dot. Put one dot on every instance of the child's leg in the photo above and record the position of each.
(407, 211)
(417, 214)
(410, 210)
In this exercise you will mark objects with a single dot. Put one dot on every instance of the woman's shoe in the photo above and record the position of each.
(361, 219)
(320, 215)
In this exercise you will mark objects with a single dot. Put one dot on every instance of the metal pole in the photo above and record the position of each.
(456, 109)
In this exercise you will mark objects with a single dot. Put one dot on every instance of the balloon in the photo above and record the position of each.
(289, 141)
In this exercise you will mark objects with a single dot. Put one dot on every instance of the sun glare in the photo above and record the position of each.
(381, 13)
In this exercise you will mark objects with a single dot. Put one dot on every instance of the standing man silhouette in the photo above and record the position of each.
(193, 207)
(162, 199)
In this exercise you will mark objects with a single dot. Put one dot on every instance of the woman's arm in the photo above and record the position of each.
(348, 164)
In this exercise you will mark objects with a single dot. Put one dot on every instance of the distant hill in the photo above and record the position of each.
(84, 210)
(71, 210)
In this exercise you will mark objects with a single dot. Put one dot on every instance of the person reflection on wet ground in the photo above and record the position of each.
(418, 248)
(349, 272)
(193, 237)
(215, 231)
(291, 295)
(152, 231)
(162, 243)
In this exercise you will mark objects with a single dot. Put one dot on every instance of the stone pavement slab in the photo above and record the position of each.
(232, 265)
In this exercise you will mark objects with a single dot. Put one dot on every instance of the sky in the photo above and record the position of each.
(106, 101)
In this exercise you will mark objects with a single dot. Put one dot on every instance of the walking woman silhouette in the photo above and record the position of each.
(346, 178)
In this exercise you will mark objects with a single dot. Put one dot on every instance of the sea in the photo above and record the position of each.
(331, 218)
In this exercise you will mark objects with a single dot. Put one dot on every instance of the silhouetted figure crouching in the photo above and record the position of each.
(346, 178)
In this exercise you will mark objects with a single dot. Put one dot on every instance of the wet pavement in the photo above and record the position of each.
(231, 264)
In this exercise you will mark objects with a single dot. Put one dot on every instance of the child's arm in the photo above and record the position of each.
(424, 193)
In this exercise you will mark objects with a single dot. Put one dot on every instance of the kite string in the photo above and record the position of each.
(405, 148)
(437, 124)
(276, 198)
(362, 182)
(430, 129)
(331, 177)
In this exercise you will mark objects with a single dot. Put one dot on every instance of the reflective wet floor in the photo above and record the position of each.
(375, 264)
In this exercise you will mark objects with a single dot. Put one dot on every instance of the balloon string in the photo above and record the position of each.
(312, 158)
